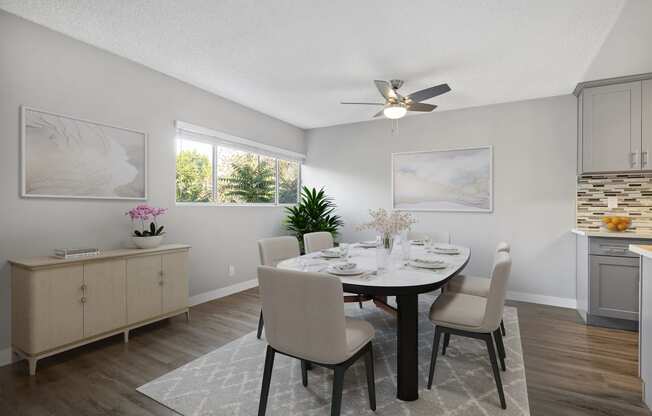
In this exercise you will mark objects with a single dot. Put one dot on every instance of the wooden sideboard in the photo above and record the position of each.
(61, 304)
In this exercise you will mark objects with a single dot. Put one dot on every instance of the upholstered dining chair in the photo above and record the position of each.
(476, 286)
(272, 251)
(317, 241)
(475, 317)
(435, 236)
(320, 240)
(305, 320)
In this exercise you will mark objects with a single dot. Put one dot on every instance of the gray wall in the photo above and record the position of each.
(534, 182)
(44, 69)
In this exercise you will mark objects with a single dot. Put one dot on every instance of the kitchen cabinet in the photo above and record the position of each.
(607, 280)
(61, 304)
(614, 287)
(611, 128)
(614, 125)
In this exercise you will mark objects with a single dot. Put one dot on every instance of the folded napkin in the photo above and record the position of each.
(425, 260)
(331, 251)
(445, 248)
(345, 267)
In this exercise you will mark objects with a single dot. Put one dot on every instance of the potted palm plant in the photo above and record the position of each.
(314, 212)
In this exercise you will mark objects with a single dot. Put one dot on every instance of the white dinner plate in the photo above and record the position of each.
(353, 272)
(433, 265)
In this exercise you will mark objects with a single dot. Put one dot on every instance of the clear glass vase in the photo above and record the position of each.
(383, 252)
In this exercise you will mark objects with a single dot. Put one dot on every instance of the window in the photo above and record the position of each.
(211, 172)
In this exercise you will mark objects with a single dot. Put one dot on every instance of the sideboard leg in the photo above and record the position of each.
(188, 315)
(32, 365)
(126, 336)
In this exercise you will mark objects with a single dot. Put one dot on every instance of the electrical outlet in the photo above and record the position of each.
(612, 202)
(231, 270)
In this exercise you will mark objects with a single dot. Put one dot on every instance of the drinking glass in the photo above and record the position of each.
(344, 251)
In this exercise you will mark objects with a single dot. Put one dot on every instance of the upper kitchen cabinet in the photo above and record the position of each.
(611, 128)
(614, 124)
(646, 124)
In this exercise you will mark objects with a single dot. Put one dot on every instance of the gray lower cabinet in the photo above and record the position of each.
(607, 281)
(614, 285)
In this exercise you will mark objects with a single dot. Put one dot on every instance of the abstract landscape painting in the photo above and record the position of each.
(443, 180)
(64, 157)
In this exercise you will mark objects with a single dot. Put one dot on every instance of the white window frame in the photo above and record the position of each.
(219, 139)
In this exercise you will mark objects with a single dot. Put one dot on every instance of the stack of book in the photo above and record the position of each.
(75, 253)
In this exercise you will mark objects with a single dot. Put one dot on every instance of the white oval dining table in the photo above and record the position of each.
(400, 280)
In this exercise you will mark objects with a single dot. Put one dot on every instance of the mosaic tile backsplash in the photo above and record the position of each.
(634, 193)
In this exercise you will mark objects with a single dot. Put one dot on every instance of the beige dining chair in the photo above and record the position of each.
(476, 286)
(317, 241)
(321, 240)
(475, 317)
(305, 320)
(272, 251)
(435, 236)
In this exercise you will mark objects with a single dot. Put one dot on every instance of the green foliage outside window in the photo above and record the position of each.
(193, 177)
(250, 179)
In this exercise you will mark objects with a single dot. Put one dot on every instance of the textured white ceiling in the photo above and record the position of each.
(295, 60)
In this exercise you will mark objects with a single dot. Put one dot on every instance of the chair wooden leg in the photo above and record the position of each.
(338, 385)
(371, 378)
(433, 358)
(502, 328)
(261, 322)
(267, 378)
(498, 337)
(447, 340)
(304, 373)
(360, 301)
(494, 367)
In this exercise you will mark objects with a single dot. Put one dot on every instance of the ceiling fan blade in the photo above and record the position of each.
(421, 107)
(385, 89)
(380, 113)
(346, 102)
(428, 93)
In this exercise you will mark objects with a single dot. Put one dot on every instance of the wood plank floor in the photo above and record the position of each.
(571, 369)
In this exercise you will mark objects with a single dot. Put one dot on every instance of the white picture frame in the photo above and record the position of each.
(75, 128)
(479, 202)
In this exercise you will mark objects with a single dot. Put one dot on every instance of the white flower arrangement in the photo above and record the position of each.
(388, 224)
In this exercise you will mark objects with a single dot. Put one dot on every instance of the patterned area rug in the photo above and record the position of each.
(227, 381)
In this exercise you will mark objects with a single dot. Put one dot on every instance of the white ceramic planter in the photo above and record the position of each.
(147, 242)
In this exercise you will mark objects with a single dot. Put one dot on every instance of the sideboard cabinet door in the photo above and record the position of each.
(175, 281)
(57, 313)
(144, 281)
(105, 306)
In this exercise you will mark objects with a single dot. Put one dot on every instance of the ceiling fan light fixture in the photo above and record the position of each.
(395, 111)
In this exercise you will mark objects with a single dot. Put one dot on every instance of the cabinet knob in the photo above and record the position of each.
(160, 283)
(83, 287)
(83, 300)
(161, 273)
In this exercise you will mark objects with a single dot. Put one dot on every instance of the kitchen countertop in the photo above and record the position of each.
(643, 250)
(610, 234)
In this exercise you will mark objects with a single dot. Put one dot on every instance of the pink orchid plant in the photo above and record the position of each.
(145, 213)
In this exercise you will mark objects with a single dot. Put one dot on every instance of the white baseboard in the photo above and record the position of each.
(6, 356)
(542, 299)
(222, 292)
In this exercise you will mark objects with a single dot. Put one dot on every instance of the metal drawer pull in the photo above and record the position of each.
(83, 300)
(83, 287)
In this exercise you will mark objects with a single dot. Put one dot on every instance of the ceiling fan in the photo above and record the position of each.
(397, 105)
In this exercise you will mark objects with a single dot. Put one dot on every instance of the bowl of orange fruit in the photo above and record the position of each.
(614, 223)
